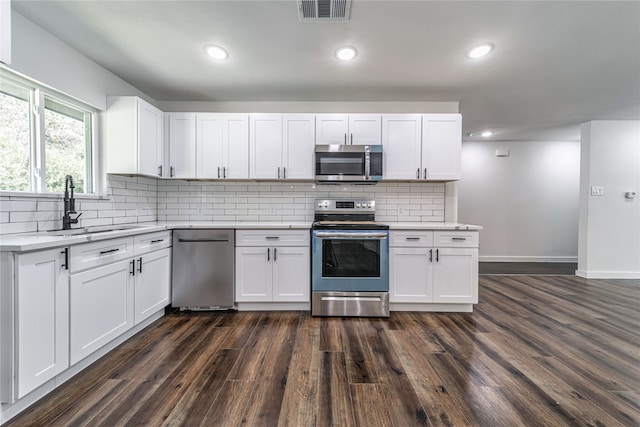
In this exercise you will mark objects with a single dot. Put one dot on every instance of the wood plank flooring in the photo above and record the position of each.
(537, 351)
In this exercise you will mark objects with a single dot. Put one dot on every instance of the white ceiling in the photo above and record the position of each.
(555, 64)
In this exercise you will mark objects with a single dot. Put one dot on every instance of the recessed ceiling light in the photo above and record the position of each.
(216, 52)
(346, 53)
(479, 51)
(486, 133)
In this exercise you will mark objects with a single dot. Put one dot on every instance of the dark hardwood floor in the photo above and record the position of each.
(537, 351)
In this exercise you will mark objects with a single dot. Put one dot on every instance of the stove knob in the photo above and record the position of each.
(357, 205)
(368, 205)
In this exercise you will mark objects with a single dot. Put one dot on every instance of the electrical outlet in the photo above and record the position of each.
(597, 191)
(403, 211)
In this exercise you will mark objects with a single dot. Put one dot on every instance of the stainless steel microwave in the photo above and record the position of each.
(356, 163)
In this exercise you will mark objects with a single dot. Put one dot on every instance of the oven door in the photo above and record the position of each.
(350, 260)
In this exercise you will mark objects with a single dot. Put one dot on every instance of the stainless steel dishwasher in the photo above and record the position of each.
(203, 269)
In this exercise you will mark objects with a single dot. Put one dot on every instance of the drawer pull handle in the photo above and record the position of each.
(458, 239)
(272, 238)
(413, 238)
(109, 251)
(157, 241)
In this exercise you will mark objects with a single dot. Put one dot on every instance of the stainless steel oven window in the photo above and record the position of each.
(350, 258)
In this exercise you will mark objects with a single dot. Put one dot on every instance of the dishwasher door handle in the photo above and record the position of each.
(201, 240)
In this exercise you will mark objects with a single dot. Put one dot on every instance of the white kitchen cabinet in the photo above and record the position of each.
(402, 145)
(5, 31)
(222, 146)
(254, 274)
(265, 146)
(455, 275)
(152, 286)
(411, 275)
(422, 147)
(281, 146)
(433, 267)
(135, 137)
(441, 147)
(298, 145)
(347, 129)
(181, 128)
(41, 318)
(272, 266)
(101, 307)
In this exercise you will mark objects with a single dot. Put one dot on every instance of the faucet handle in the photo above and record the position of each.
(75, 220)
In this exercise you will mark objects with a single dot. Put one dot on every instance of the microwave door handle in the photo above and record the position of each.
(367, 166)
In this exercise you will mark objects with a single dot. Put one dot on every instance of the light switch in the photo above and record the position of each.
(597, 191)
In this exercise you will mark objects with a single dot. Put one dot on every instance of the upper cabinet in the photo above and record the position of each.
(402, 145)
(281, 146)
(134, 131)
(348, 129)
(441, 147)
(222, 146)
(422, 147)
(5, 31)
(181, 131)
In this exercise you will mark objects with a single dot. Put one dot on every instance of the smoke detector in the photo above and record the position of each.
(324, 10)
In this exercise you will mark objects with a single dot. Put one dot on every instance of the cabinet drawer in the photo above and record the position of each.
(272, 237)
(409, 238)
(455, 239)
(95, 254)
(149, 242)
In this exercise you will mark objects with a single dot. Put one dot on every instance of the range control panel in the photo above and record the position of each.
(345, 206)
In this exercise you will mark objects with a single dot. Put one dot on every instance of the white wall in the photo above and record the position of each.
(526, 202)
(609, 239)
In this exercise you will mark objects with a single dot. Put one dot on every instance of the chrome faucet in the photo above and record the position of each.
(69, 204)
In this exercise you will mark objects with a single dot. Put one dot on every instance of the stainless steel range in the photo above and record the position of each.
(350, 260)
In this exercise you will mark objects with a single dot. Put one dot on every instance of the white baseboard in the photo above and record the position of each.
(274, 306)
(495, 258)
(608, 274)
(431, 307)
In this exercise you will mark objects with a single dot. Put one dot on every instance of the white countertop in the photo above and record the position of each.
(433, 226)
(45, 240)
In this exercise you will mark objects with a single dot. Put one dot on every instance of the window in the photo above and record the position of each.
(44, 136)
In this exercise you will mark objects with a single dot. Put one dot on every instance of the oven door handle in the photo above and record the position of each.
(347, 235)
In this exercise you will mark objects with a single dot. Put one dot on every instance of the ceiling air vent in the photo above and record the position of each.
(324, 10)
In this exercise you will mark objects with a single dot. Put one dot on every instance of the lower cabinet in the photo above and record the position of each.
(41, 318)
(152, 288)
(421, 272)
(455, 275)
(101, 307)
(272, 266)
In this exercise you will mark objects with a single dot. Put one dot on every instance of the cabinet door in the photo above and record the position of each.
(265, 146)
(101, 307)
(209, 145)
(42, 318)
(365, 129)
(402, 145)
(236, 149)
(291, 281)
(152, 284)
(298, 145)
(253, 274)
(455, 275)
(332, 128)
(182, 145)
(441, 146)
(410, 275)
(150, 139)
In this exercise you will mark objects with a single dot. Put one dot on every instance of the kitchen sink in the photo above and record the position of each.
(93, 230)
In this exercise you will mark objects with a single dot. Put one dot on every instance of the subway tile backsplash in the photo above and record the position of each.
(139, 199)
(292, 201)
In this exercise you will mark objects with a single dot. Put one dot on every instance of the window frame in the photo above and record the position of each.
(37, 161)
